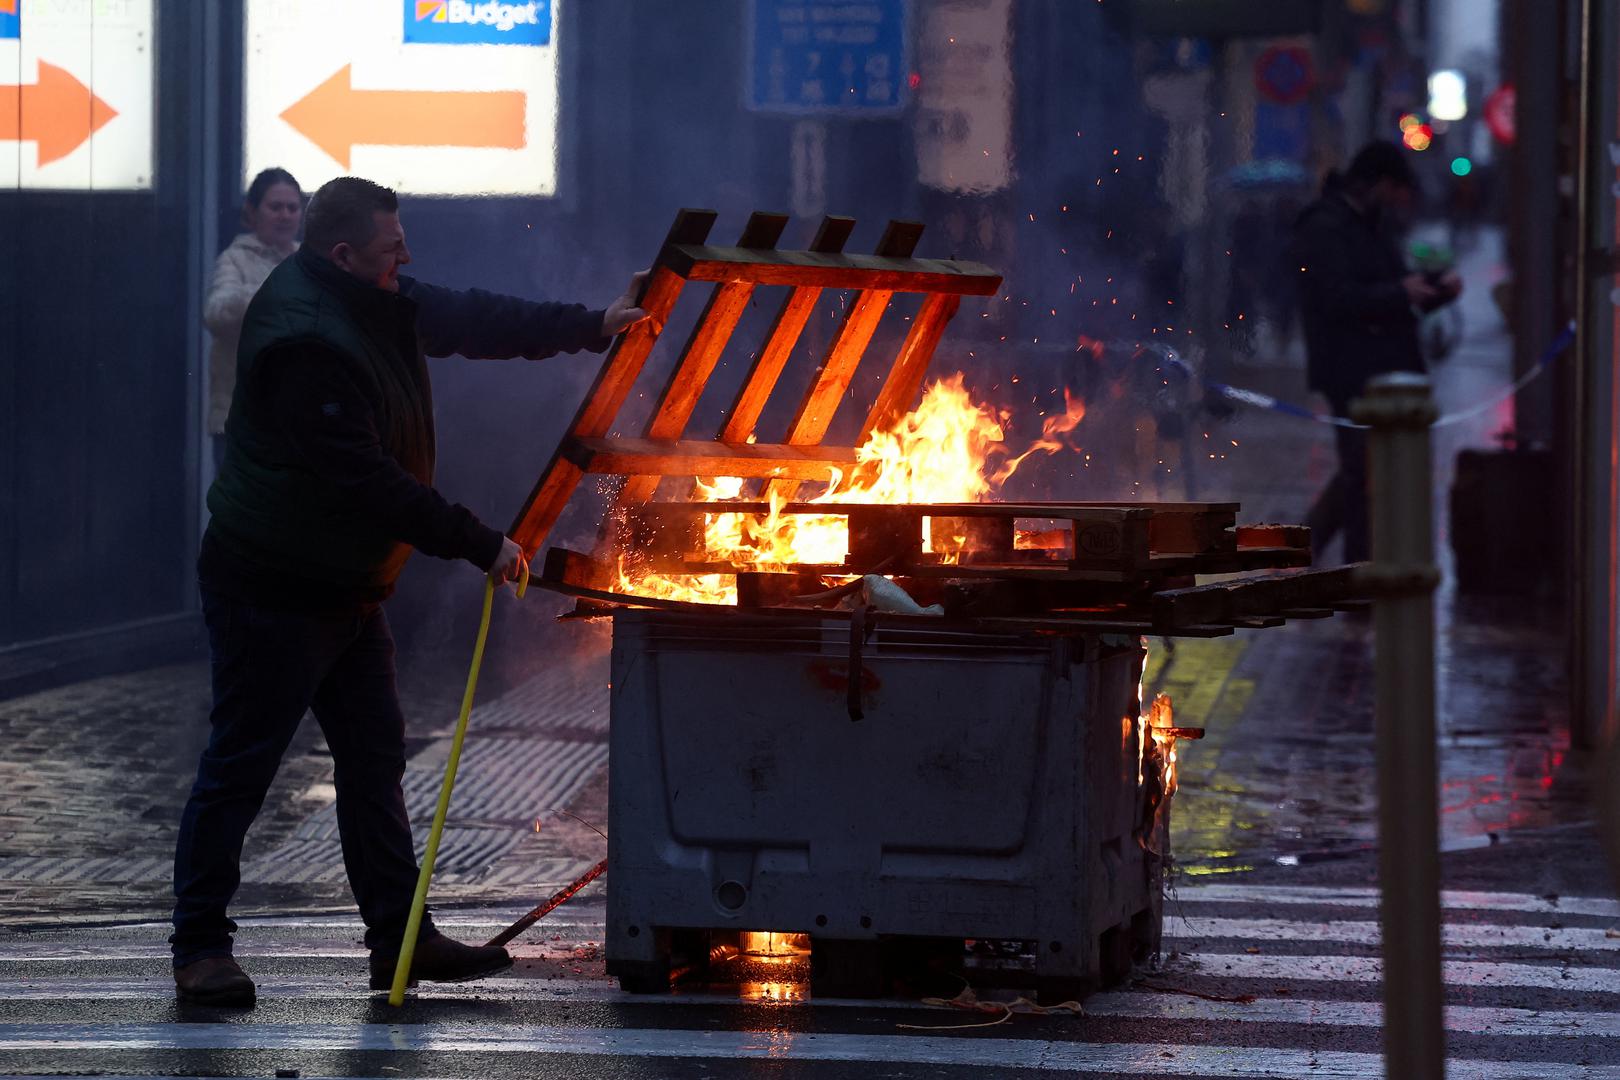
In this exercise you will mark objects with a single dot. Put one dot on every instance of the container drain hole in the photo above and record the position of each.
(731, 895)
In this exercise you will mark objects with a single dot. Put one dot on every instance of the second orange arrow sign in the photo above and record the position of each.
(337, 117)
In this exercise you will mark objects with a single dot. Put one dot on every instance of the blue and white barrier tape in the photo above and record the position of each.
(1266, 401)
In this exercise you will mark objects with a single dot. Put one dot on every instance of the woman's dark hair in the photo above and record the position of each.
(266, 180)
(342, 212)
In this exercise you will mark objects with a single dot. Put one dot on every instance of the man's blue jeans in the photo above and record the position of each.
(269, 667)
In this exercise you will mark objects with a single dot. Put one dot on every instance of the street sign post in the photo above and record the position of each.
(1284, 74)
(430, 97)
(827, 57)
(76, 95)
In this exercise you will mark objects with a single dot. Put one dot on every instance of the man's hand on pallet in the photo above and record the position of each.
(626, 311)
(508, 565)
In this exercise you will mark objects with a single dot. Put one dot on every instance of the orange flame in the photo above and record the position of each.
(941, 452)
(1052, 432)
(1157, 724)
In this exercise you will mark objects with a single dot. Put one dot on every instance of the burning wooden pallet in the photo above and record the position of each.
(662, 450)
(1067, 565)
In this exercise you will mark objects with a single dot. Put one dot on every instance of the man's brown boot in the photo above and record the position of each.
(439, 959)
(215, 980)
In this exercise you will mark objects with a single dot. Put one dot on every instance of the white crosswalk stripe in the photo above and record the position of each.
(1318, 896)
(1146, 1005)
(1128, 1059)
(1256, 982)
(1470, 936)
(1131, 1059)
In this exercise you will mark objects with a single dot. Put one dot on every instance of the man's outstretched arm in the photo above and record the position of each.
(483, 325)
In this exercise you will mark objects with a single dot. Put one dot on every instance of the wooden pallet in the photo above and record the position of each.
(1060, 603)
(1093, 541)
(665, 447)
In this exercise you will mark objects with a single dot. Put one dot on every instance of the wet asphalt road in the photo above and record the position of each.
(1272, 973)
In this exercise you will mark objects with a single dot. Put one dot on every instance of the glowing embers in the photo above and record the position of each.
(769, 943)
(775, 967)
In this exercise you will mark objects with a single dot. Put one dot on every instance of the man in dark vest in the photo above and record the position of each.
(325, 488)
(1360, 307)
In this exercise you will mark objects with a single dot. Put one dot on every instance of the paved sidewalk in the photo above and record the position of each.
(95, 776)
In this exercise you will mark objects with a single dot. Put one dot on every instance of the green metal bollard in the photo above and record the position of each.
(1401, 579)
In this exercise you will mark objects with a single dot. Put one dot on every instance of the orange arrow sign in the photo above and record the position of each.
(337, 117)
(59, 112)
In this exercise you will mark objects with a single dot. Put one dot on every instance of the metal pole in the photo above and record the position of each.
(1596, 436)
(1402, 578)
(1532, 48)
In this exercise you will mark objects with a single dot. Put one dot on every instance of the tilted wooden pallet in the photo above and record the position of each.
(664, 448)
(1129, 567)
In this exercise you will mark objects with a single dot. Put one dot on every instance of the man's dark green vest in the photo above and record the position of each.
(267, 505)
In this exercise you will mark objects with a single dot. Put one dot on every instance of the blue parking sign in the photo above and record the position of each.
(819, 57)
(10, 19)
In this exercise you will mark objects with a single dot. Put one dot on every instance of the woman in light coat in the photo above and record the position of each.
(272, 213)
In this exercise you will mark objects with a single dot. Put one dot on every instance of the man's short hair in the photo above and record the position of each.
(342, 212)
(1381, 160)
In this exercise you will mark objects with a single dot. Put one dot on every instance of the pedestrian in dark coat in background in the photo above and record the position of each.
(1360, 307)
(325, 488)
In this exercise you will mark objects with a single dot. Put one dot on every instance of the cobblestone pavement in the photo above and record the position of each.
(96, 773)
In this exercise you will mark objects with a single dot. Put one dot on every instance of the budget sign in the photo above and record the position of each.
(466, 22)
(431, 97)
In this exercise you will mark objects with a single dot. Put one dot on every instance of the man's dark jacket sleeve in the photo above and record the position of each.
(483, 325)
(329, 424)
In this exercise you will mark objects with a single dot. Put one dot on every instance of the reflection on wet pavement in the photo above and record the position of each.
(1285, 770)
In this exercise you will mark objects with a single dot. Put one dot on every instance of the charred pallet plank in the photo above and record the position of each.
(1193, 532)
(570, 567)
(1281, 594)
(1273, 536)
(1117, 538)
(1109, 538)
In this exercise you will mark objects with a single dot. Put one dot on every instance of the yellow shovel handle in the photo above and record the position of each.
(413, 925)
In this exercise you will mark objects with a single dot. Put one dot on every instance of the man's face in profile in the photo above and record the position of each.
(377, 262)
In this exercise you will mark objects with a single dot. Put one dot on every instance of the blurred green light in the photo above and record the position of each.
(1461, 166)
